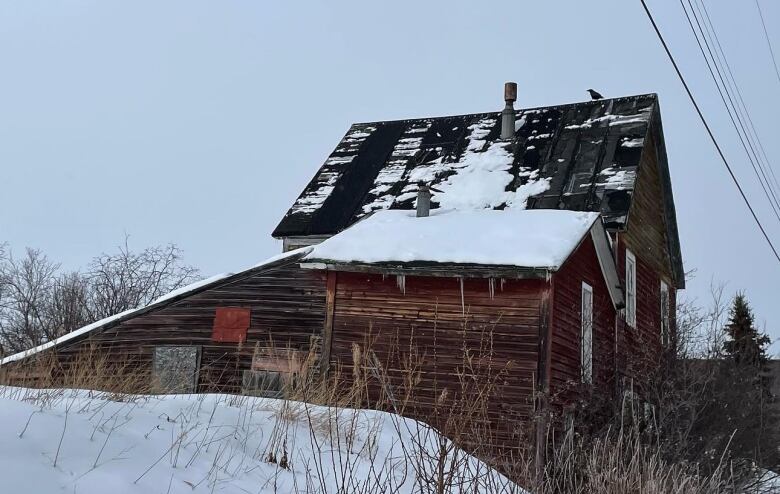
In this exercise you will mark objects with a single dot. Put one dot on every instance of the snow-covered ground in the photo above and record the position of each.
(86, 442)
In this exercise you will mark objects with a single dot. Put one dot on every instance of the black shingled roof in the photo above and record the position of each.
(586, 153)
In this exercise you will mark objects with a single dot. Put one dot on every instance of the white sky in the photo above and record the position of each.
(199, 122)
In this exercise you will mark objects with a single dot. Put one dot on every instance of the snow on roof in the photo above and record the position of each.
(552, 162)
(64, 338)
(165, 298)
(521, 238)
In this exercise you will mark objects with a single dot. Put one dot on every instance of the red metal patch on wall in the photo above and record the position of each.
(231, 324)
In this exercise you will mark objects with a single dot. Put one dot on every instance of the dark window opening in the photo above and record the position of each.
(273, 372)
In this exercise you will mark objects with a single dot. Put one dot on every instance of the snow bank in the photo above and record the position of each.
(83, 442)
(525, 238)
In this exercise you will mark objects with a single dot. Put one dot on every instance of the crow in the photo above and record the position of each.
(595, 94)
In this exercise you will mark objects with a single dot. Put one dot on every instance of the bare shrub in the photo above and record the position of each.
(127, 279)
(39, 303)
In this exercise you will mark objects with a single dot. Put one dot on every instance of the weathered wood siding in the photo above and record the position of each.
(439, 321)
(566, 378)
(287, 306)
(645, 236)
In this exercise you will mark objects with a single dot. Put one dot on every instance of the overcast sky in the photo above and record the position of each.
(199, 122)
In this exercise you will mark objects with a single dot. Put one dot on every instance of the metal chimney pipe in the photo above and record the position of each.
(423, 201)
(508, 114)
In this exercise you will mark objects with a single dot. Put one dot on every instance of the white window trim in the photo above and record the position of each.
(586, 334)
(630, 278)
(665, 314)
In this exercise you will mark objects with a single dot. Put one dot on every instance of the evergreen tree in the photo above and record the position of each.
(745, 345)
(742, 394)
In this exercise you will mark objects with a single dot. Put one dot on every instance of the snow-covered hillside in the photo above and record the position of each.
(87, 442)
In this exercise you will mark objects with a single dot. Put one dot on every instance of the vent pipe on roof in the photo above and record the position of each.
(508, 115)
(423, 201)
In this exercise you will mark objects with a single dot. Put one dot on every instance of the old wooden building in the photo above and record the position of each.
(201, 338)
(518, 298)
(548, 232)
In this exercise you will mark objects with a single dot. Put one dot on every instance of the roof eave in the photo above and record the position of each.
(434, 269)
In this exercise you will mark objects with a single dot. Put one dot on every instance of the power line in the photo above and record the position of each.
(741, 99)
(768, 42)
(709, 131)
(732, 110)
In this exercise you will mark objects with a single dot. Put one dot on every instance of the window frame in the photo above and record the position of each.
(586, 334)
(665, 319)
(631, 292)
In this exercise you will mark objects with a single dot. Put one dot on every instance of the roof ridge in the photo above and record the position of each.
(498, 112)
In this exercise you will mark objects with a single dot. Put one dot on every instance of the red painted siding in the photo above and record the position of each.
(441, 323)
(640, 347)
(582, 266)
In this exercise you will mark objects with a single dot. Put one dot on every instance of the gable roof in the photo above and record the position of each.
(487, 243)
(580, 157)
(164, 301)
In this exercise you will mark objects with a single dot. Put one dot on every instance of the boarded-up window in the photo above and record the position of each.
(175, 368)
(231, 324)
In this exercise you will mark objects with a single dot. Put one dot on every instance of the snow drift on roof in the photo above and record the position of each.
(521, 238)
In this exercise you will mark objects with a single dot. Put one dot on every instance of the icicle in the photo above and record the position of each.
(502, 284)
(400, 280)
(492, 287)
(462, 299)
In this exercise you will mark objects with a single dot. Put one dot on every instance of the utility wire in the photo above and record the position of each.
(709, 131)
(768, 42)
(741, 99)
(731, 109)
(738, 101)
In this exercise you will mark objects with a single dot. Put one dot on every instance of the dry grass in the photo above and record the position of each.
(438, 457)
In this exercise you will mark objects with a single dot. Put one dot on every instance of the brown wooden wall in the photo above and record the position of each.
(582, 266)
(645, 233)
(287, 309)
(434, 317)
(645, 236)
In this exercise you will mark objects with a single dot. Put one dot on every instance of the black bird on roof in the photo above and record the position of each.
(595, 94)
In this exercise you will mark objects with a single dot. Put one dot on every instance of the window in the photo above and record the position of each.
(175, 368)
(262, 383)
(587, 333)
(630, 289)
(273, 371)
(665, 323)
